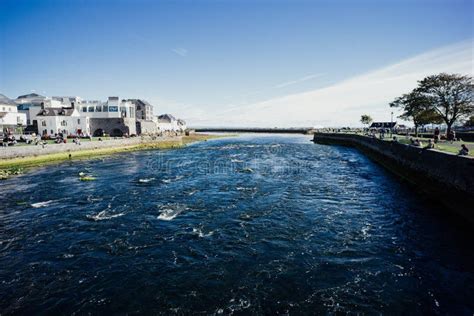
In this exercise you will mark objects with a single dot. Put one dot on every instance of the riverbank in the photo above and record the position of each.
(445, 177)
(14, 159)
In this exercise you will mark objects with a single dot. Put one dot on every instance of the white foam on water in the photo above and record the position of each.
(173, 179)
(42, 204)
(199, 232)
(169, 212)
(104, 215)
(145, 180)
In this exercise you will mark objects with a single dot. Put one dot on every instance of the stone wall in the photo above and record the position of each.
(445, 177)
(113, 126)
(146, 127)
(36, 150)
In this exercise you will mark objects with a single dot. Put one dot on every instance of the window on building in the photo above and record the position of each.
(98, 108)
(78, 121)
(84, 109)
(91, 109)
(43, 123)
(132, 112)
(113, 108)
(123, 110)
(105, 108)
(63, 123)
(3, 109)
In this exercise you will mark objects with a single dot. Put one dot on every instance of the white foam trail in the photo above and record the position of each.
(145, 180)
(172, 180)
(103, 215)
(42, 204)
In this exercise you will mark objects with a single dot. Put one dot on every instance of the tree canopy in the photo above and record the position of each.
(450, 95)
(366, 119)
(417, 108)
(439, 98)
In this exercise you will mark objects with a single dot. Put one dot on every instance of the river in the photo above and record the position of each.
(254, 224)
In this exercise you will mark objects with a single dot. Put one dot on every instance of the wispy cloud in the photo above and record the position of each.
(300, 80)
(343, 103)
(183, 52)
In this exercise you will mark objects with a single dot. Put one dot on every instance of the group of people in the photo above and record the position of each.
(464, 151)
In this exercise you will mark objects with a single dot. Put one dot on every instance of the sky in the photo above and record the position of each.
(242, 63)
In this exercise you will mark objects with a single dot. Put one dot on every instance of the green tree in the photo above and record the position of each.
(450, 95)
(417, 108)
(366, 119)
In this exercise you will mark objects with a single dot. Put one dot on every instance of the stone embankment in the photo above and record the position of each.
(445, 177)
(38, 150)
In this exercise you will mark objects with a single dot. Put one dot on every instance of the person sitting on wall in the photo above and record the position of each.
(464, 150)
(415, 142)
(431, 144)
(395, 139)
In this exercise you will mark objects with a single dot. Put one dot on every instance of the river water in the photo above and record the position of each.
(247, 225)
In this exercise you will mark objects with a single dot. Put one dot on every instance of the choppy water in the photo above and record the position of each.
(245, 225)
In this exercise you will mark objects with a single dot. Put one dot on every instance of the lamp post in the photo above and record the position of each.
(391, 124)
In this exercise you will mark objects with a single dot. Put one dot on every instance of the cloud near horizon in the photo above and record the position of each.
(343, 103)
(183, 52)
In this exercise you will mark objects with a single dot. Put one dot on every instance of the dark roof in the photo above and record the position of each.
(56, 112)
(5, 100)
(181, 122)
(383, 124)
(139, 102)
(30, 95)
(166, 118)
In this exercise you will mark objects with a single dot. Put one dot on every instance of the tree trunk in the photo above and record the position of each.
(448, 130)
(416, 130)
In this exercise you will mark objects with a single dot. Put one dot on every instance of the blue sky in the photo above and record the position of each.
(206, 60)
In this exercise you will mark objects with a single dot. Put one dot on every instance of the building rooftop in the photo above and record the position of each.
(31, 95)
(383, 124)
(6, 100)
(168, 118)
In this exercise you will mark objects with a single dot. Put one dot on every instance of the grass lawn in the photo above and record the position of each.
(442, 145)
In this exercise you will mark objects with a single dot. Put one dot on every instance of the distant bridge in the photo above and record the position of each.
(302, 130)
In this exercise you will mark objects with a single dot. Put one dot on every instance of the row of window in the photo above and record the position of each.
(63, 122)
(111, 108)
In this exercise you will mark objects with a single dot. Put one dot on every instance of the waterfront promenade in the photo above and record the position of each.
(36, 150)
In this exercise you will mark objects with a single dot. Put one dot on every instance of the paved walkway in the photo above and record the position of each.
(36, 150)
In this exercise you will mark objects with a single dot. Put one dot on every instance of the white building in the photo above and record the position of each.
(31, 104)
(10, 119)
(113, 117)
(182, 125)
(143, 109)
(70, 102)
(167, 123)
(112, 108)
(67, 121)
